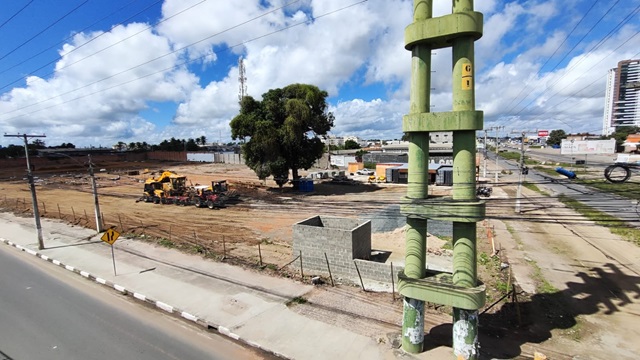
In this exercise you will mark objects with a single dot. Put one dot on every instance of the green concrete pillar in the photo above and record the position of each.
(465, 322)
(418, 180)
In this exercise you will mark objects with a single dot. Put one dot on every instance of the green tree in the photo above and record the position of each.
(556, 136)
(283, 129)
(621, 134)
(192, 145)
(351, 145)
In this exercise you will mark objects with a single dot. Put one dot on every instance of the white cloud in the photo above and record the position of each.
(357, 54)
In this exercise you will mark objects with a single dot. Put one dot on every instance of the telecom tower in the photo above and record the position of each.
(242, 79)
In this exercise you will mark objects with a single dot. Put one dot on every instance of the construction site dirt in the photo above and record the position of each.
(256, 232)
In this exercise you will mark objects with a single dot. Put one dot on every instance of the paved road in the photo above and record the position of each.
(624, 209)
(48, 313)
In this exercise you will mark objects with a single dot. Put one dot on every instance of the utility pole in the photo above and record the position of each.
(520, 173)
(497, 129)
(484, 161)
(417, 284)
(34, 198)
(522, 169)
(94, 186)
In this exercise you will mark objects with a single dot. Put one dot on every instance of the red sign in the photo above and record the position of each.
(543, 132)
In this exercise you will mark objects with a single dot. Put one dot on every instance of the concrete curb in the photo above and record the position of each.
(169, 309)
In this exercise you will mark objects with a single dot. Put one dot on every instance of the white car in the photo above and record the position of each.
(365, 172)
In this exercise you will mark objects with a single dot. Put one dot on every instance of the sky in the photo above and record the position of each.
(96, 72)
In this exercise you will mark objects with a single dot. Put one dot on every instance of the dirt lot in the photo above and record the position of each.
(263, 215)
(577, 285)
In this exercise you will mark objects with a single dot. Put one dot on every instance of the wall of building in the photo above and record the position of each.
(346, 243)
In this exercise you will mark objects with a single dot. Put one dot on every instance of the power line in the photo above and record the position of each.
(567, 54)
(550, 57)
(16, 14)
(595, 47)
(165, 69)
(71, 37)
(43, 30)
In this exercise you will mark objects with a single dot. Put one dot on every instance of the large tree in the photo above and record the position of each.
(556, 136)
(283, 129)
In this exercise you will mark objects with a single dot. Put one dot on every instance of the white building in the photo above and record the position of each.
(622, 101)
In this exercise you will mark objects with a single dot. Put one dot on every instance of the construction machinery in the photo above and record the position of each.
(164, 188)
(171, 188)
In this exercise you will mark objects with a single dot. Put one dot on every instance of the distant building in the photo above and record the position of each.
(622, 99)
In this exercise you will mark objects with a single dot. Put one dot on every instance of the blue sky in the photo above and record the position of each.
(94, 72)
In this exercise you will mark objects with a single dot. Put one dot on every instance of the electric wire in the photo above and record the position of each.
(522, 90)
(565, 56)
(45, 29)
(16, 14)
(69, 38)
(595, 47)
(162, 70)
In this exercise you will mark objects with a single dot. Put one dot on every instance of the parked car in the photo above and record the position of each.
(365, 172)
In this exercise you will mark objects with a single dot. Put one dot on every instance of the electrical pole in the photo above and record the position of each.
(417, 284)
(34, 198)
(484, 161)
(520, 173)
(94, 186)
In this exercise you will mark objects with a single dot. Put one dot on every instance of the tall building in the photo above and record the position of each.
(622, 99)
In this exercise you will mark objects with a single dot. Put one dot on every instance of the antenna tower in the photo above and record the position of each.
(242, 78)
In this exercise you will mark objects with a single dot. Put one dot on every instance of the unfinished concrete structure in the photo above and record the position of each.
(344, 243)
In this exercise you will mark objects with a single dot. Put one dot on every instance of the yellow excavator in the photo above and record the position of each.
(164, 187)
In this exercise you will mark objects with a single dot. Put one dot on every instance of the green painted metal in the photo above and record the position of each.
(441, 30)
(443, 121)
(439, 288)
(418, 179)
(413, 325)
(459, 289)
(465, 334)
(443, 208)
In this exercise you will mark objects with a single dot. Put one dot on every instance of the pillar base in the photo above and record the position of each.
(438, 288)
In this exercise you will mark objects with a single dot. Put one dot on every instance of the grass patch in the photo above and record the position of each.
(514, 234)
(542, 285)
(535, 188)
(449, 242)
(298, 300)
(627, 190)
(612, 223)
(167, 243)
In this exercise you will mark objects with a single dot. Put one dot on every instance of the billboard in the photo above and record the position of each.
(542, 133)
(585, 147)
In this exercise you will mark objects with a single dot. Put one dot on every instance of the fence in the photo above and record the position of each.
(205, 242)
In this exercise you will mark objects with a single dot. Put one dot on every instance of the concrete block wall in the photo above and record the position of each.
(345, 242)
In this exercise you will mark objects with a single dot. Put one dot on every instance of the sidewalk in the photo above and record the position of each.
(241, 304)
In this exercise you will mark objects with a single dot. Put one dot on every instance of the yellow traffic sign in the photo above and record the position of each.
(110, 236)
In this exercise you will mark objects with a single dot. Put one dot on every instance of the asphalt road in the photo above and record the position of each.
(628, 211)
(49, 313)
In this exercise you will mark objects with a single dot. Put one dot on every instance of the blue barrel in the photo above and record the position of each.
(565, 172)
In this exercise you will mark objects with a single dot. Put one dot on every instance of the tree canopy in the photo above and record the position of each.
(282, 129)
(351, 145)
(621, 134)
(556, 136)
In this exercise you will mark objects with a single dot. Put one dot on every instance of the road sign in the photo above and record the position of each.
(110, 236)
